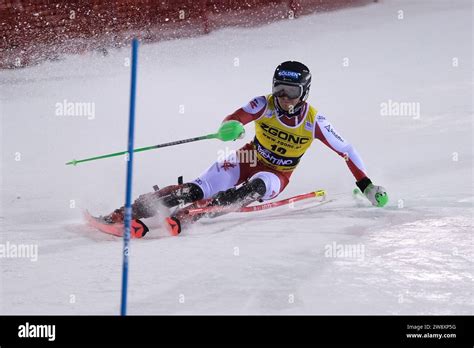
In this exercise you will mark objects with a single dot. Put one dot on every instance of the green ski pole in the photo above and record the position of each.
(230, 130)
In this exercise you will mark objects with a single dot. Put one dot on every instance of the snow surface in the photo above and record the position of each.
(417, 252)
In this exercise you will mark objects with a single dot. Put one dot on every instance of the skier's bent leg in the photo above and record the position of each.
(220, 176)
(262, 185)
(244, 195)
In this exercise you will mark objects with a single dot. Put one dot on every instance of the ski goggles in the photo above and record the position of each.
(290, 91)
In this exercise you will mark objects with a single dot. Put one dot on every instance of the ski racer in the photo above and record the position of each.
(285, 127)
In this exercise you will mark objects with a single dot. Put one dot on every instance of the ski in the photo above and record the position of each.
(258, 207)
(203, 208)
(189, 214)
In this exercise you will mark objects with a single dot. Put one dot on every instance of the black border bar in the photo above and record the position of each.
(290, 331)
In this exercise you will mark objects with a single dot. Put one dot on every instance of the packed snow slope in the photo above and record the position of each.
(413, 256)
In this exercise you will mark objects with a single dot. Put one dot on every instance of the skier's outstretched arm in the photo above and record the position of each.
(326, 133)
(250, 112)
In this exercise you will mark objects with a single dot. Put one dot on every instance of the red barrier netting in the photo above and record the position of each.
(37, 30)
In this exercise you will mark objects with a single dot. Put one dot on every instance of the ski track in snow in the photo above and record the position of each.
(417, 252)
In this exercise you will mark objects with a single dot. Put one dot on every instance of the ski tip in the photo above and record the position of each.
(89, 217)
(320, 193)
(86, 215)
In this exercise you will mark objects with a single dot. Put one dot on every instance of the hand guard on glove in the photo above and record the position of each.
(377, 195)
(230, 130)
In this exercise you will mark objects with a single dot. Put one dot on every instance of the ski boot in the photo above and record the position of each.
(146, 205)
(232, 198)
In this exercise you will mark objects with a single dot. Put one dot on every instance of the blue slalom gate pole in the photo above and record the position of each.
(128, 193)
